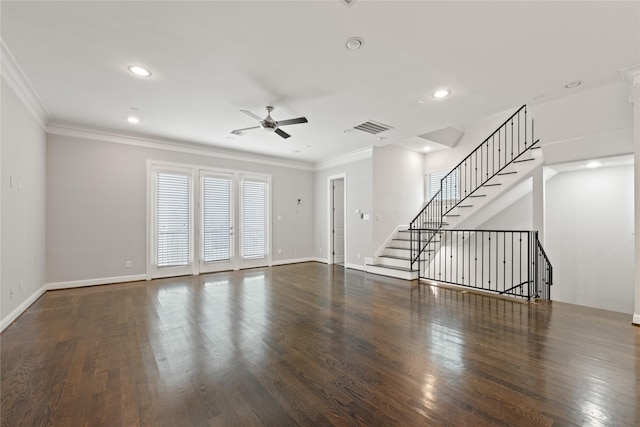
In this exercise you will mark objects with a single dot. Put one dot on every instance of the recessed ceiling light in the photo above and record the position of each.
(594, 164)
(427, 148)
(296, 151)
(420, 101)
(573, 84)
(441, 93)
(133, 120)
(354, 43)
(139, 71)
(229, 138)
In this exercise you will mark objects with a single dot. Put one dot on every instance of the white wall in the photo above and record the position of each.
(359, 190)
(398, 189)
(22, 217)
(97, 207)
(475, 132)
(589, 237)
(592, 123)
(589, 226)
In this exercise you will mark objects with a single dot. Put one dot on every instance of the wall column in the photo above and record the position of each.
(633, 75)
(538, 204)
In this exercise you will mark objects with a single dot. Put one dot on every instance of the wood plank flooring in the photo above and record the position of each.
(313, 345)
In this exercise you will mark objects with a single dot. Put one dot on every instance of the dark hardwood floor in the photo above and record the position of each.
(310, 344)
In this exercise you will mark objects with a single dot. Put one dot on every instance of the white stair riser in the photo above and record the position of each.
(406, 275)
(397, 252)
(404, 263)
(401, 243)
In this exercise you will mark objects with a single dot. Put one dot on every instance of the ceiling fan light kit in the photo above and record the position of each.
(269, 124)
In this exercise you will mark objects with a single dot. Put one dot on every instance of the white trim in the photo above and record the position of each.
(631, 74)
(11, 317)
(18, 81)
(294, 261)
(330, 249)
(95, 282)
(354, 266)
(343, 159)
(636, 319)
(176, 146)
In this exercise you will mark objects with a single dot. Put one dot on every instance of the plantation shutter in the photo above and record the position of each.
(254, 219)
(450, 190)
(216, 203)
(173, 217)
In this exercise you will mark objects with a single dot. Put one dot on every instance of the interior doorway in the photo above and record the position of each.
(337, 219)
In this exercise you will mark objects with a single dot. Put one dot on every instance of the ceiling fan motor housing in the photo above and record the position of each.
(269, 125)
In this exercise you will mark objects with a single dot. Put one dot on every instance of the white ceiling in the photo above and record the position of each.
(212, 58)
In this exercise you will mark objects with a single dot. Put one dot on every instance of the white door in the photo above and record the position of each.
(172, 227)
(193, 215)
(254, 222)
(216, 237)
(338, 221)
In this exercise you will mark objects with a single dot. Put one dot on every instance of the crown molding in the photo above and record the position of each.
(343, 159)
(13, 74)
(631, 74)
(176, 146)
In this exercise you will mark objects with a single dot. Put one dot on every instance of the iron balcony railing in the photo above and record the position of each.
(501, 261)
(505, 146)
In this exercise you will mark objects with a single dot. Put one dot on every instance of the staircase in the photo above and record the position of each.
(503, 160)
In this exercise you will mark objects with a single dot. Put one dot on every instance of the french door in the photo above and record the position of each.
(204, 220)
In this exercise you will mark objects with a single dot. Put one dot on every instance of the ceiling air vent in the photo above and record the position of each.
(348, 2)
(372, 127)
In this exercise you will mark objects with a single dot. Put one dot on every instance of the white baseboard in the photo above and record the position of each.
(354, 266)
(636, 319)
(294, 261)
(21, 308)
(94, 282)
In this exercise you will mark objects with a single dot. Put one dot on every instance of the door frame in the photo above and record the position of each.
(330, 245)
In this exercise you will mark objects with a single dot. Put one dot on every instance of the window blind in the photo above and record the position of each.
(450, 189)
(254, 219)
(173, 213)
(216, 203)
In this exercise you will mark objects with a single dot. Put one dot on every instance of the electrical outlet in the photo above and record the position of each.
(21, 283)
(127, 264)
(10, 293)
(358, 256)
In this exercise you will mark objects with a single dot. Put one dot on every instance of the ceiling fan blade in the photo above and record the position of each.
(293, 121)
(239, 131)
(249, 113)
(282, 133)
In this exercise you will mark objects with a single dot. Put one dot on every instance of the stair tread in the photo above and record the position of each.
(390, 267)
(492, 185)
(507, 173)
(523, 160)
(478, 195)
(397, 247)
(465, 206)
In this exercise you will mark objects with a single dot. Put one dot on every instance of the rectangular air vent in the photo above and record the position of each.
(373, 127)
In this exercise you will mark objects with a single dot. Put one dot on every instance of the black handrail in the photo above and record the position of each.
(474, 171)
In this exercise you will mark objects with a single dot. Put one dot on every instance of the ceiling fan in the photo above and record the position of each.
(268, 123)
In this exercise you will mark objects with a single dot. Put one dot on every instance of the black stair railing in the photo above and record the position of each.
(503, 147)
(506, 262)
